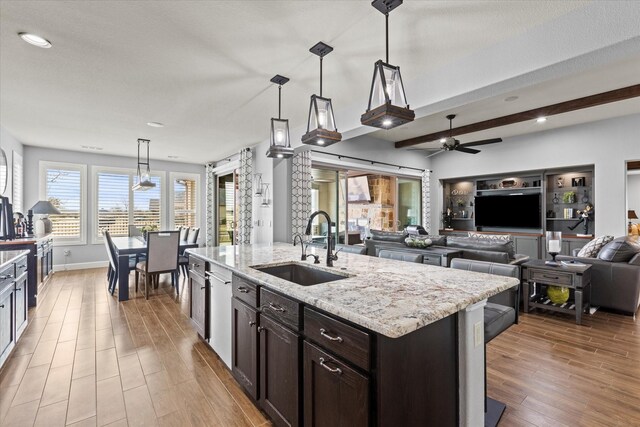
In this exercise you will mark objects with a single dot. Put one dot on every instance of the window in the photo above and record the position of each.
(184, 200)
(118, 207)
(63, 185)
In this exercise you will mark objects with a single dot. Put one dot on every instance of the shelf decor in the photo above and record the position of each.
(569, 197)
(558, 294)
(554, 245)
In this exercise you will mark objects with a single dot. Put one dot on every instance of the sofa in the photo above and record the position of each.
(615, 285)
(473, 248)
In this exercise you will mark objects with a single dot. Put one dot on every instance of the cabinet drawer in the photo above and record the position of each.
(218, 275)
(6, 276)
(432, 259)
(245, 291)
(550, 277)
(21, 266)
(281, 308)
(338, 337)
(197, 265)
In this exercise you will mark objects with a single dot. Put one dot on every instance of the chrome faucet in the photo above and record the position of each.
(330, 244)
(303, 257)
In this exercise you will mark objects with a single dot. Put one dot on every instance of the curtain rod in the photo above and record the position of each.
(373, 162)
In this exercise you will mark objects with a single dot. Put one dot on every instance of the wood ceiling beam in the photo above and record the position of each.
(633, 165)
(549, 110)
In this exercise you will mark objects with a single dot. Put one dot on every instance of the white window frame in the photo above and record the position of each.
(96, 237)
(43, 166)
(172, 178)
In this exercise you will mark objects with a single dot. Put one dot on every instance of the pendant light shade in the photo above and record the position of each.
(143, 177)
(388, 107)
(321, 123)
(280, 143)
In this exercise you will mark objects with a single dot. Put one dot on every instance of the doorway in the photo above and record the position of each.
(227, 209)
(633, 198)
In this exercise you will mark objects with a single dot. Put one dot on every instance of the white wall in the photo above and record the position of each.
(606, 144)
(633, 192)
(9, 144)
(93, 253)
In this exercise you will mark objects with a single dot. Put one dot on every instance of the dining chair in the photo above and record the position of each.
(162, 257)
(184, 233)
(193, 235)
(183, 261)
(112, 273)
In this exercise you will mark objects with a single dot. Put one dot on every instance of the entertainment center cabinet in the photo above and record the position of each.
(562, 192)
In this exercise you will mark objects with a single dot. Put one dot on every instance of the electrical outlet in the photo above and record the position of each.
(478, 334)
(67, 252)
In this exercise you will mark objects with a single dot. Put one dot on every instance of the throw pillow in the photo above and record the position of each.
(418, 241)
(621, 249)
(591, 249)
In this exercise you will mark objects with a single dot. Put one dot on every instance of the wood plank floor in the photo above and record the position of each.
(86, 359)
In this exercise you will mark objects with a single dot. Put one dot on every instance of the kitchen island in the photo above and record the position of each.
(385, 343)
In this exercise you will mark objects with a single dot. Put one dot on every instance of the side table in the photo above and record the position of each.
(537, 275)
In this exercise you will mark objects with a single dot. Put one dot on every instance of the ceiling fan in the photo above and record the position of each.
(451, 144)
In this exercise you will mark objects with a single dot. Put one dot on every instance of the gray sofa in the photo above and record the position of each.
(614, 285)
(470, 248)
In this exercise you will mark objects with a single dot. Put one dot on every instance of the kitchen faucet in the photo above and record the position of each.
(303, 257)
(330, 256)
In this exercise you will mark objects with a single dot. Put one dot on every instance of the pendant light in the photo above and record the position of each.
(143, 178)
(280, 143)
(388, 106)
(321, 125)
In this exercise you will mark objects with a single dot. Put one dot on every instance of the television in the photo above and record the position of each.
(509, 210)
(358, 189)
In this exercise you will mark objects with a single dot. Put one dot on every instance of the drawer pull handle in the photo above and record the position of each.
(210, 274)
(260, 329)
(243, 290)
(251, 323)
(329, 368)
(323, 332)
(22, 266)
(196, 265)
(202, 287)
(8, 276)
(550, 277)
(1, 305)
(276, 308)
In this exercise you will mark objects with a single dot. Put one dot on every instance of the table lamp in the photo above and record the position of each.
(554, 245)
(43, 225)
(633, 228)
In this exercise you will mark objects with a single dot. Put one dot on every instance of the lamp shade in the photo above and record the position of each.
(44, 207)
(632, 214)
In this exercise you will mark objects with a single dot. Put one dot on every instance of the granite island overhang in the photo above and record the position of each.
(414, 310)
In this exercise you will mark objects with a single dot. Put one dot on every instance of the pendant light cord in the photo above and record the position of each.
(321, 76)
(279, 100)
(386, 21)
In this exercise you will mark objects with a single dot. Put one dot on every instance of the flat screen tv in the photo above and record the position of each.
(358, 189)
(514, 211)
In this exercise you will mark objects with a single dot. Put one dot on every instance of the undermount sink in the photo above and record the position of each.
(300, 274)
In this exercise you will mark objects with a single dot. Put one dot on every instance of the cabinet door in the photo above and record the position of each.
(197, 293)
(21, 293)
(7, 325)
(334, 394)
(279, 373)
(527, 245)
(244, 346)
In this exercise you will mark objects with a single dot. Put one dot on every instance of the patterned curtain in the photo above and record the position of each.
(210, 208)
(245, 193)
(300, 192)
(426, 200)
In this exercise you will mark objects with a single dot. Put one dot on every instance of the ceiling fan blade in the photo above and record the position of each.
(482, 142)
(437, 152)
(466, 150)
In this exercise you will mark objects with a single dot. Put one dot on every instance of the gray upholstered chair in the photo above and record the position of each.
(352, 249)
(192, 237)
(162, 257)
(400, 256)
(500, 313)
(184, 233)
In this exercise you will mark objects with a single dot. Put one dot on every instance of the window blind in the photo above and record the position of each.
(113, 202)
(64, 191)
(146, 206)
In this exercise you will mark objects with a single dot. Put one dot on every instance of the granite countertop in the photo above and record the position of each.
(7, 257)
(389, 297)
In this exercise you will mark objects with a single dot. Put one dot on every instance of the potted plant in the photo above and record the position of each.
(146, 228)
(569, 197)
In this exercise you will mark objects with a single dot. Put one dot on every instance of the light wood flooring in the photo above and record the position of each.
(86, 359)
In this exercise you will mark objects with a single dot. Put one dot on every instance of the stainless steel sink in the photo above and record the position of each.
(300, 274)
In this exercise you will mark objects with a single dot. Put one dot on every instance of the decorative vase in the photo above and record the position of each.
(558, 294)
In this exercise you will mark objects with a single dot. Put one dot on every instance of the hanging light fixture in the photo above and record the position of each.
(388, 106)
(280, 143)
(143, 179)
(321, 126)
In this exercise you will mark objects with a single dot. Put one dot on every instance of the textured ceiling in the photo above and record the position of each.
(203, 68)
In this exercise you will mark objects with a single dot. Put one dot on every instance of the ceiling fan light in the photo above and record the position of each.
(443, 140)
(541, 119)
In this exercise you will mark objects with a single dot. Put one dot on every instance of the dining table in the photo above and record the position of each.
(126, 246)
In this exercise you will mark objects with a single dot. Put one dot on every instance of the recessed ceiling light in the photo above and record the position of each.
(172, 157)
(541, 119)
(510, 98)
(91, 147)
(155, 124)
(35, 40)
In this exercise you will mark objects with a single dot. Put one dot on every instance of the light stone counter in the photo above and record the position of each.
(390, 297)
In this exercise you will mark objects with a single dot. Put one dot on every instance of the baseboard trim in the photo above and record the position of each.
(80, 266)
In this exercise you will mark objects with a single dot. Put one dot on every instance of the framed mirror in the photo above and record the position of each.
(4, 170)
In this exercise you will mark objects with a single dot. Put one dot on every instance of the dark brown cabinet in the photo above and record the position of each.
(244, 346)
(334, 394)
(199, 297)
(279, 372)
